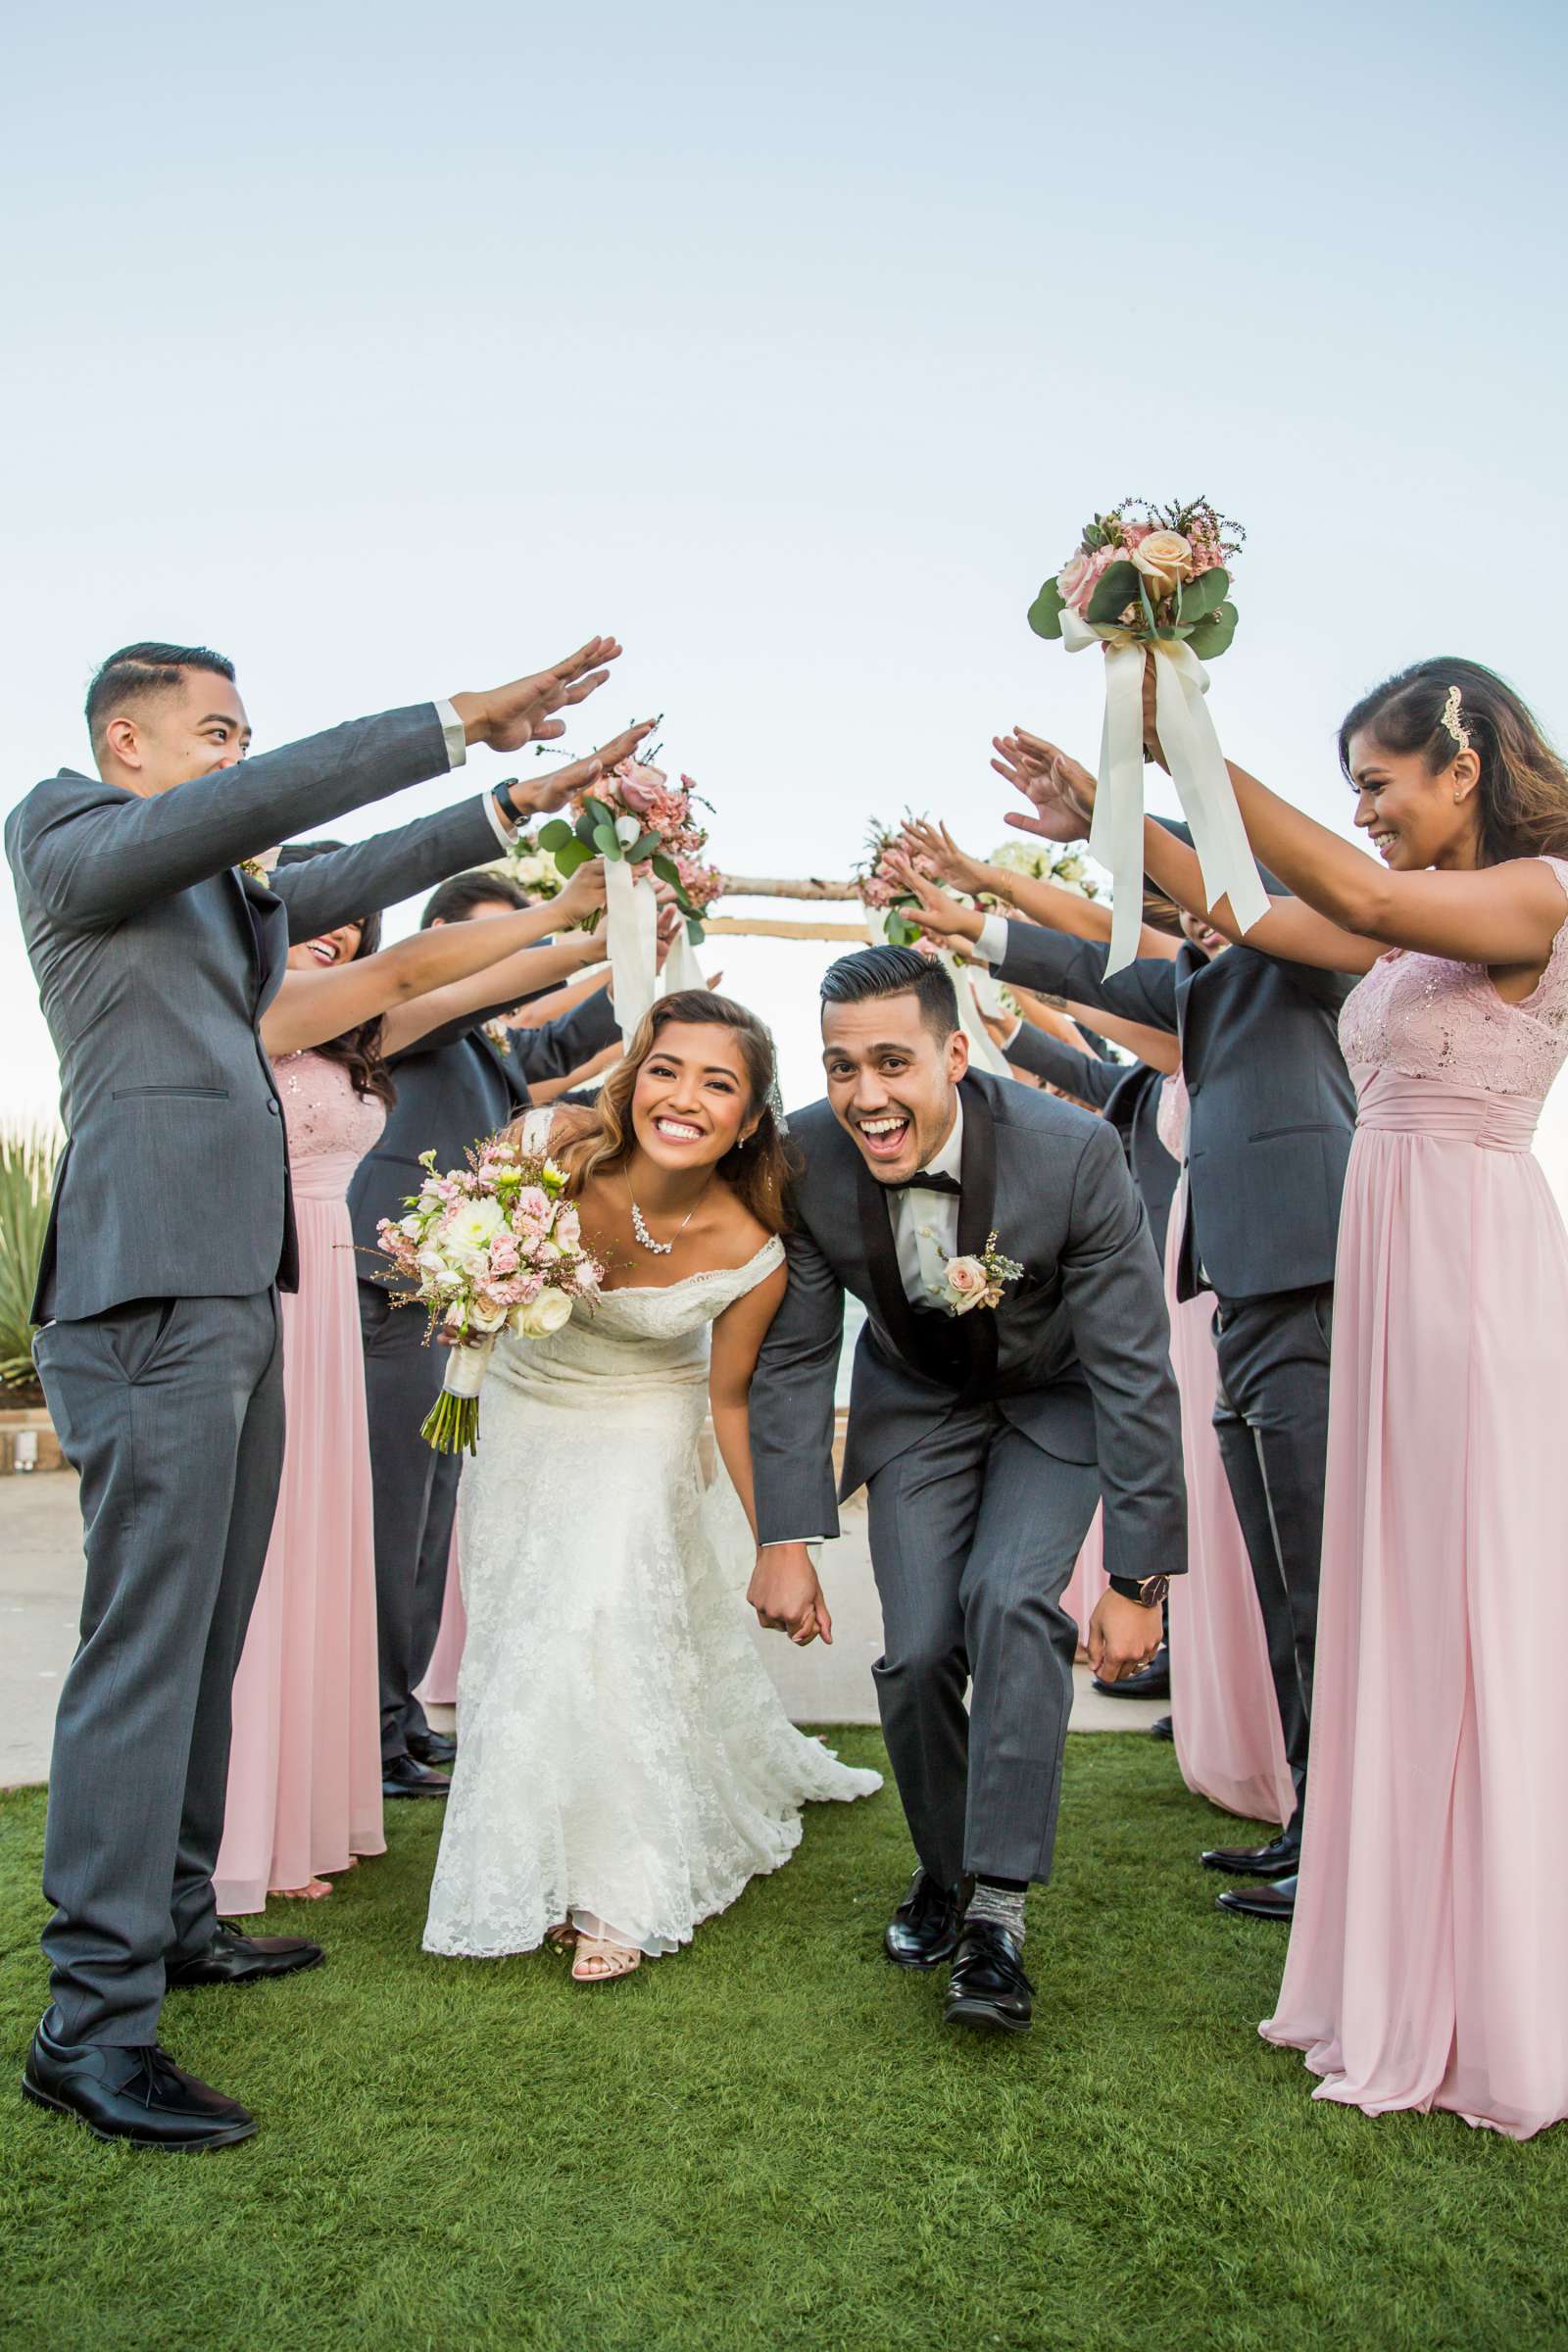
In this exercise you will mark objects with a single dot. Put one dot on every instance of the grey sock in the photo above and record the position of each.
(1001, 1904)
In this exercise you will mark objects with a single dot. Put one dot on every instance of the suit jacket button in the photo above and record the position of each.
(274, 1106)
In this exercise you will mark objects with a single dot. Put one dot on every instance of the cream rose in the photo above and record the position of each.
(968, 1284)
(1164, 558)
(542, 1315)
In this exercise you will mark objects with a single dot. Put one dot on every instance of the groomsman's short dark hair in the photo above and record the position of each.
(149, 668)
(895, 972)
(455, 899)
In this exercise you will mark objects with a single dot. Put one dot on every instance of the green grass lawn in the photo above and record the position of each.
(770, 2140)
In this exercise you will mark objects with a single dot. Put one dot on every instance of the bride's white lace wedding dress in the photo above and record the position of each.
(623, 1757)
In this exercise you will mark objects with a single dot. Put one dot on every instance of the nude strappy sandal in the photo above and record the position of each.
(598, 1961)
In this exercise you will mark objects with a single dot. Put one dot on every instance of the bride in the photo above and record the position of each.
(625, 1766)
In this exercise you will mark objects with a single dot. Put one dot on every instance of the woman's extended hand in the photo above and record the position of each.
(1061, 792)
(950, 865)
(939, 915)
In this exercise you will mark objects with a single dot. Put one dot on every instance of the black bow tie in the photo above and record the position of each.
(926, 1183)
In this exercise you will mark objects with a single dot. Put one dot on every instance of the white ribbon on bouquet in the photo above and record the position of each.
(631, 926)
(984, 1051)
(1197, 768)
(681, 968)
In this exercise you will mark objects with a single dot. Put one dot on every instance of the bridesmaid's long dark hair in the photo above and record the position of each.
(756, 1171)
(356, 1051)
(1524, 783)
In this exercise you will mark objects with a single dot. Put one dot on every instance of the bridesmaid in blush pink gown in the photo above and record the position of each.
(1224, 1713)
(1430, 1934)
(305, 1762)
(439, 1688)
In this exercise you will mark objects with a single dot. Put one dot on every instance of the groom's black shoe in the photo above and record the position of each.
(137, 2094)
(1281, 1858)
(404, 1778)
(432, 1748)
(923, 1930)
(1261, 1902)
(235, 1959)
(988, 1987)
(1149, 1682)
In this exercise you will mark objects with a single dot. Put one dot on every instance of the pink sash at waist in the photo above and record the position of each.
(324, 1175)
(1396, 1104)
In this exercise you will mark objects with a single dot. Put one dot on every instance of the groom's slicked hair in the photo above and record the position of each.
(150, 668)
(895, 972)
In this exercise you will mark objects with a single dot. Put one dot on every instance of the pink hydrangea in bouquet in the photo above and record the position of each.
(1150, 586)
(495, 1245)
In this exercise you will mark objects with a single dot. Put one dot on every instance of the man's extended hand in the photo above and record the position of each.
(787, 1596)
(509, 716)
(1123, 1635)
(1060, 791)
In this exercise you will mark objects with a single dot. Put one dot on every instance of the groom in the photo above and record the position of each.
(985, 1439)
(157, 942)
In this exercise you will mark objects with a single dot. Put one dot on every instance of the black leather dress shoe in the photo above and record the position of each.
(432, 1748)
(1149, 1682)
(988, 1987)
(404, 1778)
(923, 1930)
(1163, 1727)
(1261, 1902)
(137, 2094)
(1281, 1858)
(235, 1959)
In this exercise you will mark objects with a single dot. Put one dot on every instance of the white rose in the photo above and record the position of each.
(628, 830)
(530, 869)
(546, 1314)
(468, 1232)
(968, 1284)
(486, 1318)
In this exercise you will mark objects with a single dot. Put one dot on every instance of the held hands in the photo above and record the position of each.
(935, 844)
(509, 716)
(788, 1598)
(1060, 791)
(1123, 1635)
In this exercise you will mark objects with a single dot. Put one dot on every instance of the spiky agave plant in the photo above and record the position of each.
(28, 1151)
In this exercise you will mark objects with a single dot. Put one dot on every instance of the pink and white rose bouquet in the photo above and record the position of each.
(1151, 572)
(636, 816)
(492, 1247)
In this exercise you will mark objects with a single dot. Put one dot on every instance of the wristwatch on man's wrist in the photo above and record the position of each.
(1148, 1590)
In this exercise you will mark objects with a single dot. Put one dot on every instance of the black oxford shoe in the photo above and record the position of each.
(1162, 1728)
(404, 1778)
(1261, 1902)
(235, 1959)
(138, 2094)
(1281, 1858)
(1149, 1682)
(988, 1987)
(923, 1930)
(432, 1748)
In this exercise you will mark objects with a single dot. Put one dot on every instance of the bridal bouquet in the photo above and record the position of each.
(492, 1246)
(1151, 584)
(635, 817)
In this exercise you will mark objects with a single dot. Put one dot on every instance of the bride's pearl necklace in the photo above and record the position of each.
(639, 1224)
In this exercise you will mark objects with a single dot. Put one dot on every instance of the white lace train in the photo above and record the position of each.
(623, 1760)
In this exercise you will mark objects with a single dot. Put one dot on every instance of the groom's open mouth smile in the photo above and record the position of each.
(884, 1137)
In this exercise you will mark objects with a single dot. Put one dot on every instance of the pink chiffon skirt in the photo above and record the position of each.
(1223, 1709)
(1427, 1959)
(1088, 1580)
(439, 1688)
(305, 1762)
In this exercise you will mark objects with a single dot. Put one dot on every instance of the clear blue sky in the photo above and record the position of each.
(393, 349)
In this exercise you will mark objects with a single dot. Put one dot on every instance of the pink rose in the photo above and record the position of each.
(1086, 572)
(968, 1284)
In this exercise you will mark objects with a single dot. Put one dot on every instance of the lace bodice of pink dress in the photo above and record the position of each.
(331, 1127)
(1425, 1017)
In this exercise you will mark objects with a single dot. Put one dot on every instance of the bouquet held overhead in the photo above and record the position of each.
(1151, 585)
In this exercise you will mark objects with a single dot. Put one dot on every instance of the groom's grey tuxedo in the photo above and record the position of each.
(170, 1230)
(985, 1440)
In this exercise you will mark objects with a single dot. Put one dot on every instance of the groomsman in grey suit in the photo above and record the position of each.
(984, 1438)
(157, 943)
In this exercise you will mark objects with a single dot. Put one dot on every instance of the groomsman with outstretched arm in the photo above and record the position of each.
(157, 942)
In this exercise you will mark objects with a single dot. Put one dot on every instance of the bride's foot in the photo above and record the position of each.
(311, 1892)
(600, 1962)
(562, 1938)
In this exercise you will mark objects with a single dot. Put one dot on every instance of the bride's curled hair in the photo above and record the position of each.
(756, 1171)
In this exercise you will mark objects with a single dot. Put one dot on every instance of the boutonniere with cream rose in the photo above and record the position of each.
(1151, 584)
(971, 1281)
(492, 1247)
(635, 817)
(260, 869)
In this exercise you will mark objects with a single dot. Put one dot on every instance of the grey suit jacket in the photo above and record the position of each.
(1128, 1094)
(155, 958)
(454, 1088)
(1271, 1104)
(1076, 1354)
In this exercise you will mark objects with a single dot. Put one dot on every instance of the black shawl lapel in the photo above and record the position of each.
(977, 1210)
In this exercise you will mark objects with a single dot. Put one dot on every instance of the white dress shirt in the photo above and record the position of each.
(925, 1235)
(456, 743)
